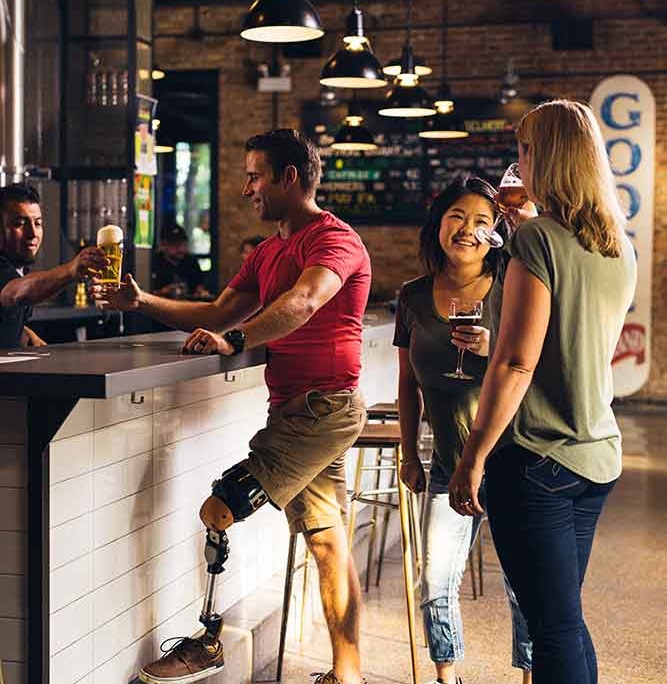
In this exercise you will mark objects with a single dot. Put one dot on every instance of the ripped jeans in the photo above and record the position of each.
(447, 539)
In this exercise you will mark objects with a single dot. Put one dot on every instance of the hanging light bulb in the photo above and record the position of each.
(355, 66)
(508, 87)
(282, 21)
(444, 101)
(352, 135)
(407, 98)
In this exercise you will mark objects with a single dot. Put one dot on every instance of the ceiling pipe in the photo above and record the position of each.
(12, 88)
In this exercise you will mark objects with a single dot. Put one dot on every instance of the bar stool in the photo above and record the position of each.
(388, 436)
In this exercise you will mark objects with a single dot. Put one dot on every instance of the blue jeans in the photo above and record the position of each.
(447, 539)
(543, 519)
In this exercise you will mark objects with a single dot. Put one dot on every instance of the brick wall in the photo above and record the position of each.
(628, 38)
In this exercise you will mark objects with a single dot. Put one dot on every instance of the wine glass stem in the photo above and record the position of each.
(459, 365)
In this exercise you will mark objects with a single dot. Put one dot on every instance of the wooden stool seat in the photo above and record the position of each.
(379, 436)
(383, 411)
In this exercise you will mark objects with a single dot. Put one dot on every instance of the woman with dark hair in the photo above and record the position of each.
(458, 266)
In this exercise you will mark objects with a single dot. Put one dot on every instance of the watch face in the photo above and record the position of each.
(237, 339)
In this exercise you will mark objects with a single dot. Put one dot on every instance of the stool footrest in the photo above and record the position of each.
(376, 502)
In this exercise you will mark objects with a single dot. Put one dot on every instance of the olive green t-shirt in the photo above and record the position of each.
(566, 413)
(450, 404)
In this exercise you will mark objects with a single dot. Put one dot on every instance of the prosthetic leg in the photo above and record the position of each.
(243, 495)
(192, 659)
(216, 553)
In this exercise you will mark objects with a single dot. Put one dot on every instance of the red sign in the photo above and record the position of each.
(632, 343)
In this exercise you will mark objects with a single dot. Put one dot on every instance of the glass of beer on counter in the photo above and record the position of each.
(110, 241)
(511, 193)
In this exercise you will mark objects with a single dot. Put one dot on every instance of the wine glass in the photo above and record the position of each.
(463, 312)
(511, 193)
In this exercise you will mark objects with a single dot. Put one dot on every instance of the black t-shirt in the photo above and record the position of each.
(186, 273)
(12, 318)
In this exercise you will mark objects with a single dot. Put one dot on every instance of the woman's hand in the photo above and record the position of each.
(472, 338)
(412, 475)
(464, 488)
(514, 216)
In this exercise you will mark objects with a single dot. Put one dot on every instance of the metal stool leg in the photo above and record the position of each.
(304, 594)
(287, 594)
(352, 518)
(385, 527)
(406, 545)
(416, 534)
(471, 565)
(480, 568)
(373, 523)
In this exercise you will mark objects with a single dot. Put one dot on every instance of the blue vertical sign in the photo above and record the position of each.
(625, 109)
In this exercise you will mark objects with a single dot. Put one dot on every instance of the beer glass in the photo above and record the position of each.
(463, 312)
(511, 193)
(110, 241)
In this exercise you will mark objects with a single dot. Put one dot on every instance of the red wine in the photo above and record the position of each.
(456, 321)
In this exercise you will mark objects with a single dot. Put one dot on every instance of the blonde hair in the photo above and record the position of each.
(570, 175)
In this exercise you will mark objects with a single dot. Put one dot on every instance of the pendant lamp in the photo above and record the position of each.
(352, 135)
(407, 99)
(393, 68)
(444, 126)
(282, 21)
(355, 66)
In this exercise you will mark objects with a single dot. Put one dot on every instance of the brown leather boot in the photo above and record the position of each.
(188, 660)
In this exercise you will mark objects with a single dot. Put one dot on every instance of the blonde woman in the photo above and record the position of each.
(544, 414)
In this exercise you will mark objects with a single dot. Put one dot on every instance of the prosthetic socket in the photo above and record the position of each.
(243, 495)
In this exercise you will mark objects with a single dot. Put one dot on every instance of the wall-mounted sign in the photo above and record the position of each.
(145, 161)
(144, 211)
(625, 108)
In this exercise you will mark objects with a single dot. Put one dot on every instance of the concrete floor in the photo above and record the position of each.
(625, 594)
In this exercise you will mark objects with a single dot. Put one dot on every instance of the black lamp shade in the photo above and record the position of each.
(393, 68)
(353, 69)
(408, 102)
(444, 127)
(354, 138)
(282, 21)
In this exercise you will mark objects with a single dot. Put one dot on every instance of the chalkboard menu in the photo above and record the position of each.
(382, 186)
(395, 183)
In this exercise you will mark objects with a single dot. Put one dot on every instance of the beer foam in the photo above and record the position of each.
(109, 234)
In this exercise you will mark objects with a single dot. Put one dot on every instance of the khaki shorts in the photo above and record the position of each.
(299, 457)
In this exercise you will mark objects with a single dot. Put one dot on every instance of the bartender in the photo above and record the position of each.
(21, 233)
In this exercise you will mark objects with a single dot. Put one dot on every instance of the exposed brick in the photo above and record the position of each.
(468, 41)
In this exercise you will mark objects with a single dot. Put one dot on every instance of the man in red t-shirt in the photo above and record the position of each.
(311, 281)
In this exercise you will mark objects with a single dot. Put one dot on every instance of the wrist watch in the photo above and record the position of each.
(236, 338)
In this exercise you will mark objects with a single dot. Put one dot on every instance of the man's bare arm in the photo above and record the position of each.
(316, 286)
(42, 285)
(228, 310)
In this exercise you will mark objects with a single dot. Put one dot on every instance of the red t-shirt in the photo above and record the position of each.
(325, 352)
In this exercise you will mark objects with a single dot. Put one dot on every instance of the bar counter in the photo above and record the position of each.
(106, 449)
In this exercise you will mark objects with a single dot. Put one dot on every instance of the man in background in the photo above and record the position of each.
(21, 233)
(176, 272)
(249, 245)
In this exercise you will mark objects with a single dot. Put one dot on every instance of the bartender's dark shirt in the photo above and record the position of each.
(12, 318)
(186, 273)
